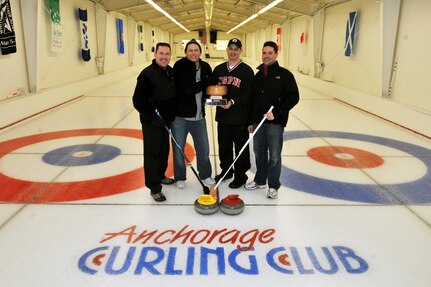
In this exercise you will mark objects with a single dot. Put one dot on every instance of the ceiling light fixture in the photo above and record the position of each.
(261, 11)
(157, 7)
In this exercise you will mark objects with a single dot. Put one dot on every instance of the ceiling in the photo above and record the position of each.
(214, 15)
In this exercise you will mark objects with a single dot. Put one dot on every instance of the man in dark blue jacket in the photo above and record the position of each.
(273, 86)
(192, 76)
(154, 98)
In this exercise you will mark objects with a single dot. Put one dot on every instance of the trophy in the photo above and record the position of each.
(216, 94)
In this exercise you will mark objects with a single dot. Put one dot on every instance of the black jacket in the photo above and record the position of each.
(239, 82)
(155, 89)
(187, 87)
(278, 89)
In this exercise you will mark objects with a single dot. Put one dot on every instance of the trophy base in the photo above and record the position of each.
(215, 102)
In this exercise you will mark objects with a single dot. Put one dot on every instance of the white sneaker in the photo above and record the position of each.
(180, 184)
(272, 193)
(252, 186)
(209, 181)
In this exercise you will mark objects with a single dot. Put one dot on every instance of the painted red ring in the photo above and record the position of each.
(22, 191)
(360, 158)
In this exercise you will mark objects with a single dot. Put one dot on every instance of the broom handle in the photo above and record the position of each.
(245, 145)
(206, 188)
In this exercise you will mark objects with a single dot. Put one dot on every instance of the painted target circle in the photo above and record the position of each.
(82, 154)
(21, 190)
(345, 157)
(416, 191)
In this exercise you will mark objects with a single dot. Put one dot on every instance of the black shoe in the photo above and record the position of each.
(168, 181)
(158, 196)
(238, 181)
(218, 177)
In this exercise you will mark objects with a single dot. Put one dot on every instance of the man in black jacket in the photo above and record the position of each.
(233, 118)
(192, 76)
(273, 86)
(154, 98)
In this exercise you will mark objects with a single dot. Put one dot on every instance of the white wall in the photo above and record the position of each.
(361, 71)
(363, 67)
(361, 74)
(113, 59)
(208, 48)
(300, 58)
(413, 76)
(13, 72)
(56, 69)
(56, 77)
(249, 47)
(255, 41)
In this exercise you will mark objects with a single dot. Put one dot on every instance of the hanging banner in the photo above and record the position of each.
(85, 49)
(120, 38)
(141, 38)
(57, 32)
(203, 36)
(7, 33)
(302, 38)
(350, 34)
(279, 38)
(153, 41)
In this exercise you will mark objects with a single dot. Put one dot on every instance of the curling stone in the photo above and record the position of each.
(206, 204)
(232, 205)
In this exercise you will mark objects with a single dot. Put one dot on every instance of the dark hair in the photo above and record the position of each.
(192, 41)
(162, 44)
(271, 44)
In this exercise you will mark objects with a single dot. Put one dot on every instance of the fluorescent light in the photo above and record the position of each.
(157, 7)
(261, 11)
(243, 22)
(264, 9)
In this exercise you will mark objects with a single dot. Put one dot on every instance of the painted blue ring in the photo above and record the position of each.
(66, 156)
(415, 192)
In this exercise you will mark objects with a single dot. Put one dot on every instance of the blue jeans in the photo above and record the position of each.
(267, 145)
(198, 130)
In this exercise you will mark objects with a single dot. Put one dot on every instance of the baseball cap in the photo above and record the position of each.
(235, 42)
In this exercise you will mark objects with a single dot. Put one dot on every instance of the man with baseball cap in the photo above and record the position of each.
(233, 117)
(235, 42)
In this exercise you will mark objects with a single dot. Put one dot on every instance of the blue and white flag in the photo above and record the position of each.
(350, 33)
(120, 36)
